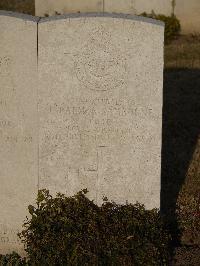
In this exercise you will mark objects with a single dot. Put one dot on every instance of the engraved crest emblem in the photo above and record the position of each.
(100, 65)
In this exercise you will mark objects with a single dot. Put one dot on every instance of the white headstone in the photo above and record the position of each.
(100, 106)
(18, 125)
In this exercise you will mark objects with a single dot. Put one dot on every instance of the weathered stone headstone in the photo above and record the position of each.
(80, 107)
(18, 124)
(100, 106)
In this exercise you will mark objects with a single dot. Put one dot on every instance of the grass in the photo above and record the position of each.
(180, 195)
(181, 145)
(183, 52)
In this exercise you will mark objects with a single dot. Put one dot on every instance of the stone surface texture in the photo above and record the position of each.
(81, 107)
(18, 125)
(100, 107)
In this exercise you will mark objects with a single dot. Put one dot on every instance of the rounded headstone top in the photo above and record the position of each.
(106, 15)
(79, 15)
(19, 15)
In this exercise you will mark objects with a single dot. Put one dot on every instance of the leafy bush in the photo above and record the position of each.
(12, 260)
(172, 24)
(74, 231)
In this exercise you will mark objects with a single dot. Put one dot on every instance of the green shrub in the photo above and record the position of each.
(172, 24)
(74, 231)
(12, 260)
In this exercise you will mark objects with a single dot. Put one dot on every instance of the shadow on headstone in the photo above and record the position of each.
(181, 127)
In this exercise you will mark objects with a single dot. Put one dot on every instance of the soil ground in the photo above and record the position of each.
(181, 146)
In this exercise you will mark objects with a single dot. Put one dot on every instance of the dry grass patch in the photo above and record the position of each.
(183, 52)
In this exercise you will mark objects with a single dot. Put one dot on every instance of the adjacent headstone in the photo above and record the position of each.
(186, 11)
(100, 106)
(52, 7)
(18, 125)
(120, 6)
